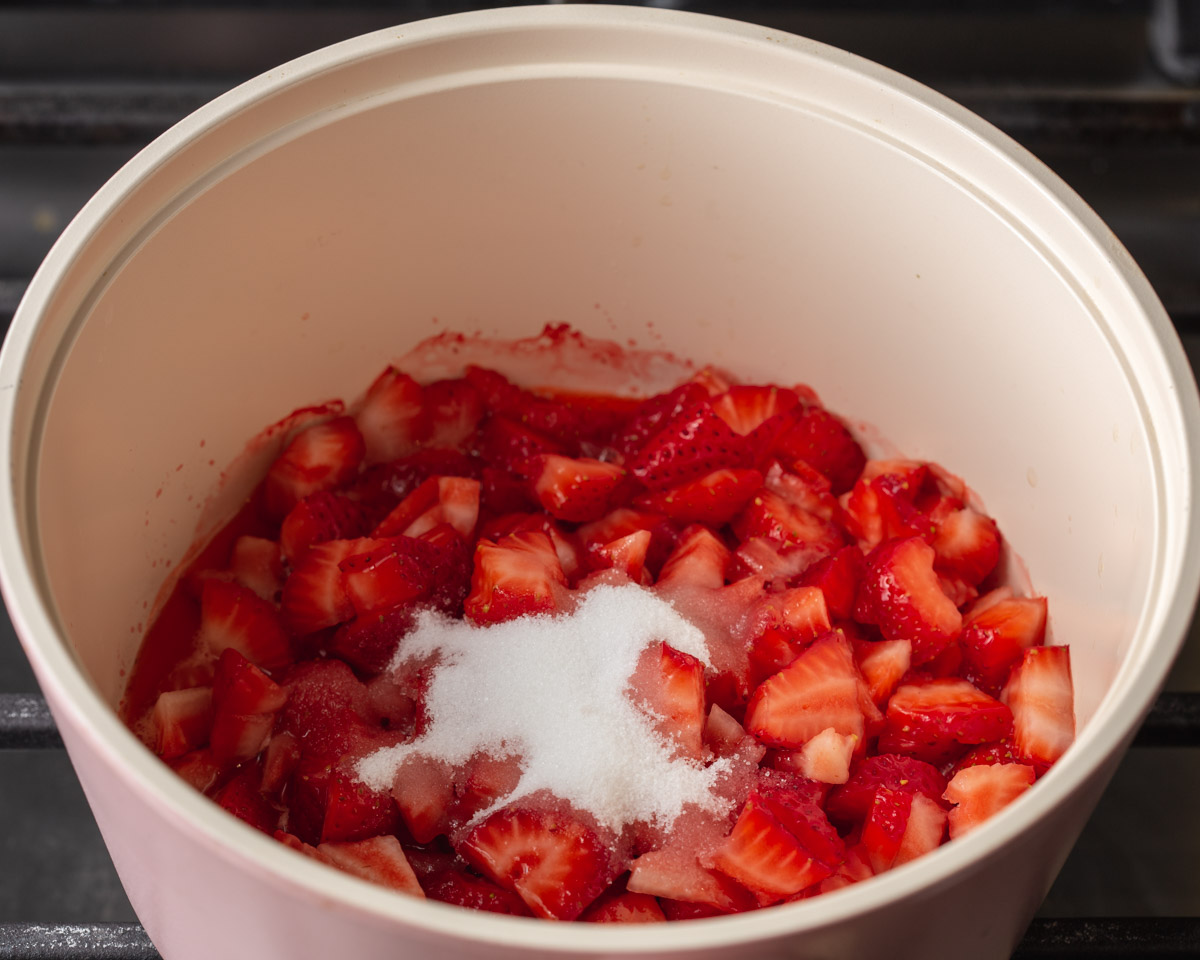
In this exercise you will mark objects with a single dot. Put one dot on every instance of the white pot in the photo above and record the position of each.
(733, 194)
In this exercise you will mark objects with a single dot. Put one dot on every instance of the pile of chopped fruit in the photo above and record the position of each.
(597, 658)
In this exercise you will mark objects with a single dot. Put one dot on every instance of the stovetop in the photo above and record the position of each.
(1106, 92)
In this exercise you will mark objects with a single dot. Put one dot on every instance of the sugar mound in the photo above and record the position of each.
(553, 690)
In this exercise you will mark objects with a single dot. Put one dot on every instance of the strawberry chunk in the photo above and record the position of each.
(935, 720)
(241, 797)
(257, 563)
(320, 517)
(450, 500)
(714, 499)
(746, 408)
(1042, 700)
(455, 410)
(901, 826)
(700, 560)
(670, 684)
(694, 443)
(851, 802)
(232, 616)
(980, 791)
(900, 592)
(379, 860)
(574, 490)
(397, 572)
(392, 419)
(555, 863)
(826, 757)
(622, 906)
(315, 595)
(819, 690)
(515, 577)
(353, 811)
(473, 892)
(822, 441)
(838, 577)
(628, 554)
(997, 631)
(245, 701)
(322, 457)
(770, 515)
(654, 414)
(182, 719)
(369, 642)
(967, 545)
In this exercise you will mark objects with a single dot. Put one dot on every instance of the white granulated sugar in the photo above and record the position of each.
(555, 691)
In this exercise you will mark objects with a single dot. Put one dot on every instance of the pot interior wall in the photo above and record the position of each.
(775, 240)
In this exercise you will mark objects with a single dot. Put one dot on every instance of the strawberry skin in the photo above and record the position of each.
(900, 592)
(851, 802)
(321, 457)
(822, 441)
(996, 634)
(555, 864)
(713, 499)
(694, 443)
(935, 720)
(245, 701)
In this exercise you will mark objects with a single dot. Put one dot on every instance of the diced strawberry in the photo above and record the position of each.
(900, 592)
(770, 515)
(884, 827)
(199, 769)
(1042, 700)
(280, 760)
(826, 757)
(424, 793)
(553, 861)
(746, 408)
(369, 642)
(475, 893)
(967, 545)
(882, 663)
(673, 873)
(566, 545)
(182, 719)
(505, 444)
(937, 719)
(838, 577)
(381, 487)
(771, 651)
(514, 577)
(353, 811)
(822, 441)
(763, 855)
(257, 563)
(322, 457)
(727, 738)
(392, 419)
(543, 415)
(655, 413)
(244, 701)
(851, 802)
(484, 780)
(694, 443)
(628, 554)
(854, 869)
(379, 860)
(315, 596)
(700, 560)
(320, 517)
(233, 616)
(999, 751)
(871, 511)
(321, 695)
(799, 613)
(452, 500)
(773, 560)
(714, 380)
(621, 906)
(574, 490)
(714, 499)
(670, 684)
(396, 572)
(926, 830)
(996, 633)
(979, 792)
(818, 690)
(242, 797)
(797, 803)
(455, 409)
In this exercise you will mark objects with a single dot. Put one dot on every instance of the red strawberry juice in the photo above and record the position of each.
(600, 657)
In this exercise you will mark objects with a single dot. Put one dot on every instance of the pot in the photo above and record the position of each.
(718, 190)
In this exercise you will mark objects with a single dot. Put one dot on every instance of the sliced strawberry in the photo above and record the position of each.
(822, 441)
(280, 760)
(713, 499)
(999, 751)
(851, 802)
(553, 861)
(315, 596)
(468, 890)
(628, 555)
(746, 408)
(378, 860)
(967, 545)
(322, 694)
(996, 633)
(900, 592)
(452, 500)
(796, 803)
(353, 811)
(1042, 700)
(574, 490)
(674, 873)
(505, 444)
(543, 415)
(320, 517)
(763, 855)
(773, 560)
(854, 869)
(655, 413)
(233, 616)
(322, 457)
(566, 545)
(257, 563)
(700, 560)
(799, 613)
(396, 572)
(935, 720)
(245, 701)
(455, 409)
(694, 443)
(517, 576)
(883, 830)
(826, 757)
(369, 642)
(871, 511)
(838, 576)
(621, 906)
(182, 719)
(242, 797)
(384, 485)
(818, 690)
(770, 515)
(925, 831)
(424, 793)
(199, 769)
(392, 419)
(979, 792)
(670, 684)
(883, 663)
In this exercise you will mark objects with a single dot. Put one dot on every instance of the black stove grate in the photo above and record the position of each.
(1107, 94)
